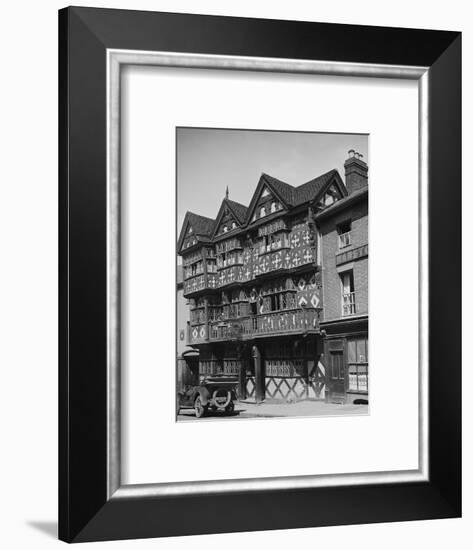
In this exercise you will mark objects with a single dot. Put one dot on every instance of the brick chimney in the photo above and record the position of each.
(356, 172)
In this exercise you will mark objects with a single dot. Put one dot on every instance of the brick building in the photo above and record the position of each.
(267, 298)
(343, 227)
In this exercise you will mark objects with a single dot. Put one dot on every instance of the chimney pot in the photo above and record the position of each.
(356, 172)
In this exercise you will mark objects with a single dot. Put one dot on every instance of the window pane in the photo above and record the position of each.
(363, 382)
(352, 377)
(346, 282)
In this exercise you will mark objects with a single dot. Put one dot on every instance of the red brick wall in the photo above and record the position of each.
(332, 289)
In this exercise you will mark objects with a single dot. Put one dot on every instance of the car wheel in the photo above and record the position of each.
(230, 407)
(199, 407)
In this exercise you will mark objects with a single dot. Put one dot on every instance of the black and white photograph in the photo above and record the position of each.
(232, 275)
(272, 274)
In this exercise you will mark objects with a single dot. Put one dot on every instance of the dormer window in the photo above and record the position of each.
(274, 207)
(262, 212)
(234, 225)
(225, 228)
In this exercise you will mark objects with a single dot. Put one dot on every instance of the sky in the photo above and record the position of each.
(209, 160)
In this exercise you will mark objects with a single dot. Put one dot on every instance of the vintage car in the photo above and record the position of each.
(217, 392)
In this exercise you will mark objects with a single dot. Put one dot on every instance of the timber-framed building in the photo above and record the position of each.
(258, 280)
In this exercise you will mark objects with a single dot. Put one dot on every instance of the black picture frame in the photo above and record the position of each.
(86, 512)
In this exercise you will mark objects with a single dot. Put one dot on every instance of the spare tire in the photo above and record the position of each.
(221, 398)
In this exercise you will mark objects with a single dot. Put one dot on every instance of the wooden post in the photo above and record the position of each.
(259, 375)
(242, 379)
(241, 357)
(207, 322)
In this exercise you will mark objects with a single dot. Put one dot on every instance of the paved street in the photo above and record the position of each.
(273, 410)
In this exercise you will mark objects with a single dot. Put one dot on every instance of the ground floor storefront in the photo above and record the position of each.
(283, 369)
(346, 360)
(331, 366)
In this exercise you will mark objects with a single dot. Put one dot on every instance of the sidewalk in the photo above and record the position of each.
(274, 410)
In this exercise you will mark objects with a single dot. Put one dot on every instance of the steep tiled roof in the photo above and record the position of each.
(240, 210)
(293, 196)
(200, 224)
(284, 190)
(307, 191)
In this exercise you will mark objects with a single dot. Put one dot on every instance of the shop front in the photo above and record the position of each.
(346, 360)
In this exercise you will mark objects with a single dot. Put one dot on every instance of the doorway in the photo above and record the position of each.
(336, 376)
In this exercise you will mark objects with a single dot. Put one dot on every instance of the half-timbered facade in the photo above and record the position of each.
(253, 281)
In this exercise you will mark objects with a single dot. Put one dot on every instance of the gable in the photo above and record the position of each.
(231, 216)
(267, 204)
(265, 201)
(330, 195)
(195, 228)
(188, 237)
(227, 222)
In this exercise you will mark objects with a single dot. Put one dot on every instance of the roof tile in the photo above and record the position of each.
(200, 224)
(307, 191)
(240, 210)
(284, 190)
